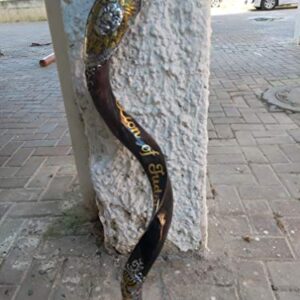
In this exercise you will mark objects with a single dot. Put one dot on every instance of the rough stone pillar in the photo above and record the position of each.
(160, 74)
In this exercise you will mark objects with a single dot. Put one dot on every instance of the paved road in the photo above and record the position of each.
(49, 249)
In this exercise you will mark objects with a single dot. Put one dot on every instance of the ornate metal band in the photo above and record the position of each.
(107, 23)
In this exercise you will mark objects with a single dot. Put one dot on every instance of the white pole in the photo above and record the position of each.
(76, 127)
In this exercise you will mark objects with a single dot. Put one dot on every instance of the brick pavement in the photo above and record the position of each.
(254, 154)
(50, 250)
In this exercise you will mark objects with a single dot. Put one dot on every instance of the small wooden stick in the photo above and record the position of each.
(47, 60)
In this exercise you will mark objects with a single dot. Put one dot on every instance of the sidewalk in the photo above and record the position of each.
(254, 155)
(49, 249)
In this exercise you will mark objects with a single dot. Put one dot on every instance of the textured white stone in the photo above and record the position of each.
(160, 74)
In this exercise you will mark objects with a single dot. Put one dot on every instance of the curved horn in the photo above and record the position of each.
(108, 21)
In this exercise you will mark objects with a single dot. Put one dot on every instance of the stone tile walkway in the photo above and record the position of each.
(254, 155)
(50, 250)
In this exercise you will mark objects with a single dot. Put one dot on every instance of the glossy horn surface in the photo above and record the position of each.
(107, 23)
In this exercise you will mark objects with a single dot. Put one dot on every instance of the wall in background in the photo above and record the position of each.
(22, 10)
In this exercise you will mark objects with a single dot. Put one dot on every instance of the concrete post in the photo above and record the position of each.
(76, 127)
(160, 75)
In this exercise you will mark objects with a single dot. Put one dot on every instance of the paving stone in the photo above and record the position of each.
(57, 187)
(4, 139)
(38, 226)
(8, 233)
(206, 291)
(250, 117)
(281, 127)
(282, 118)
(269, 133)
(8, 171)
(71, 246)
(10, 148)
(30, 167)
(57, 133)
(276, 140)
(19, 158)
(226, 159)
(229, 169)
(292, 152)
(231, 112)
(292, 226)
(220, 114)
(210, 126)
(29, 137)
(13, 182)
(274, 192)
(274, 154)
(18, 131)
(233, 179)
(15, 195)
(239, 101)
(60, 160)
(285, 274)
(287, 208)
(266, 225)
(216, 236)
(212, 135)
(264, 174)
(292, 168)
(223, 142)
(227, 120)
(253, 155)
(40, 143)
(247, 127)
(261, 248)
(257, 207)
(292, 182)
(224, 150)
(245, 138)
(224, 131)
(80, 279)
(47, 128)
(67, 170)
(181, 286)
(52, 151)
(253, 281)
(209, 192)
(153, 290)
(3, 209)
(213, 107)
(288, 295)
(7, 292)
(228, 200)
(266, 118)
(236, 225)
(295, 134)
(27, 210)
(18, 260)
(3, 160)
(43, 177)
(39, 280)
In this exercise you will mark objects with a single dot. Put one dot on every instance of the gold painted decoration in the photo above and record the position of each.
(107, 23)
